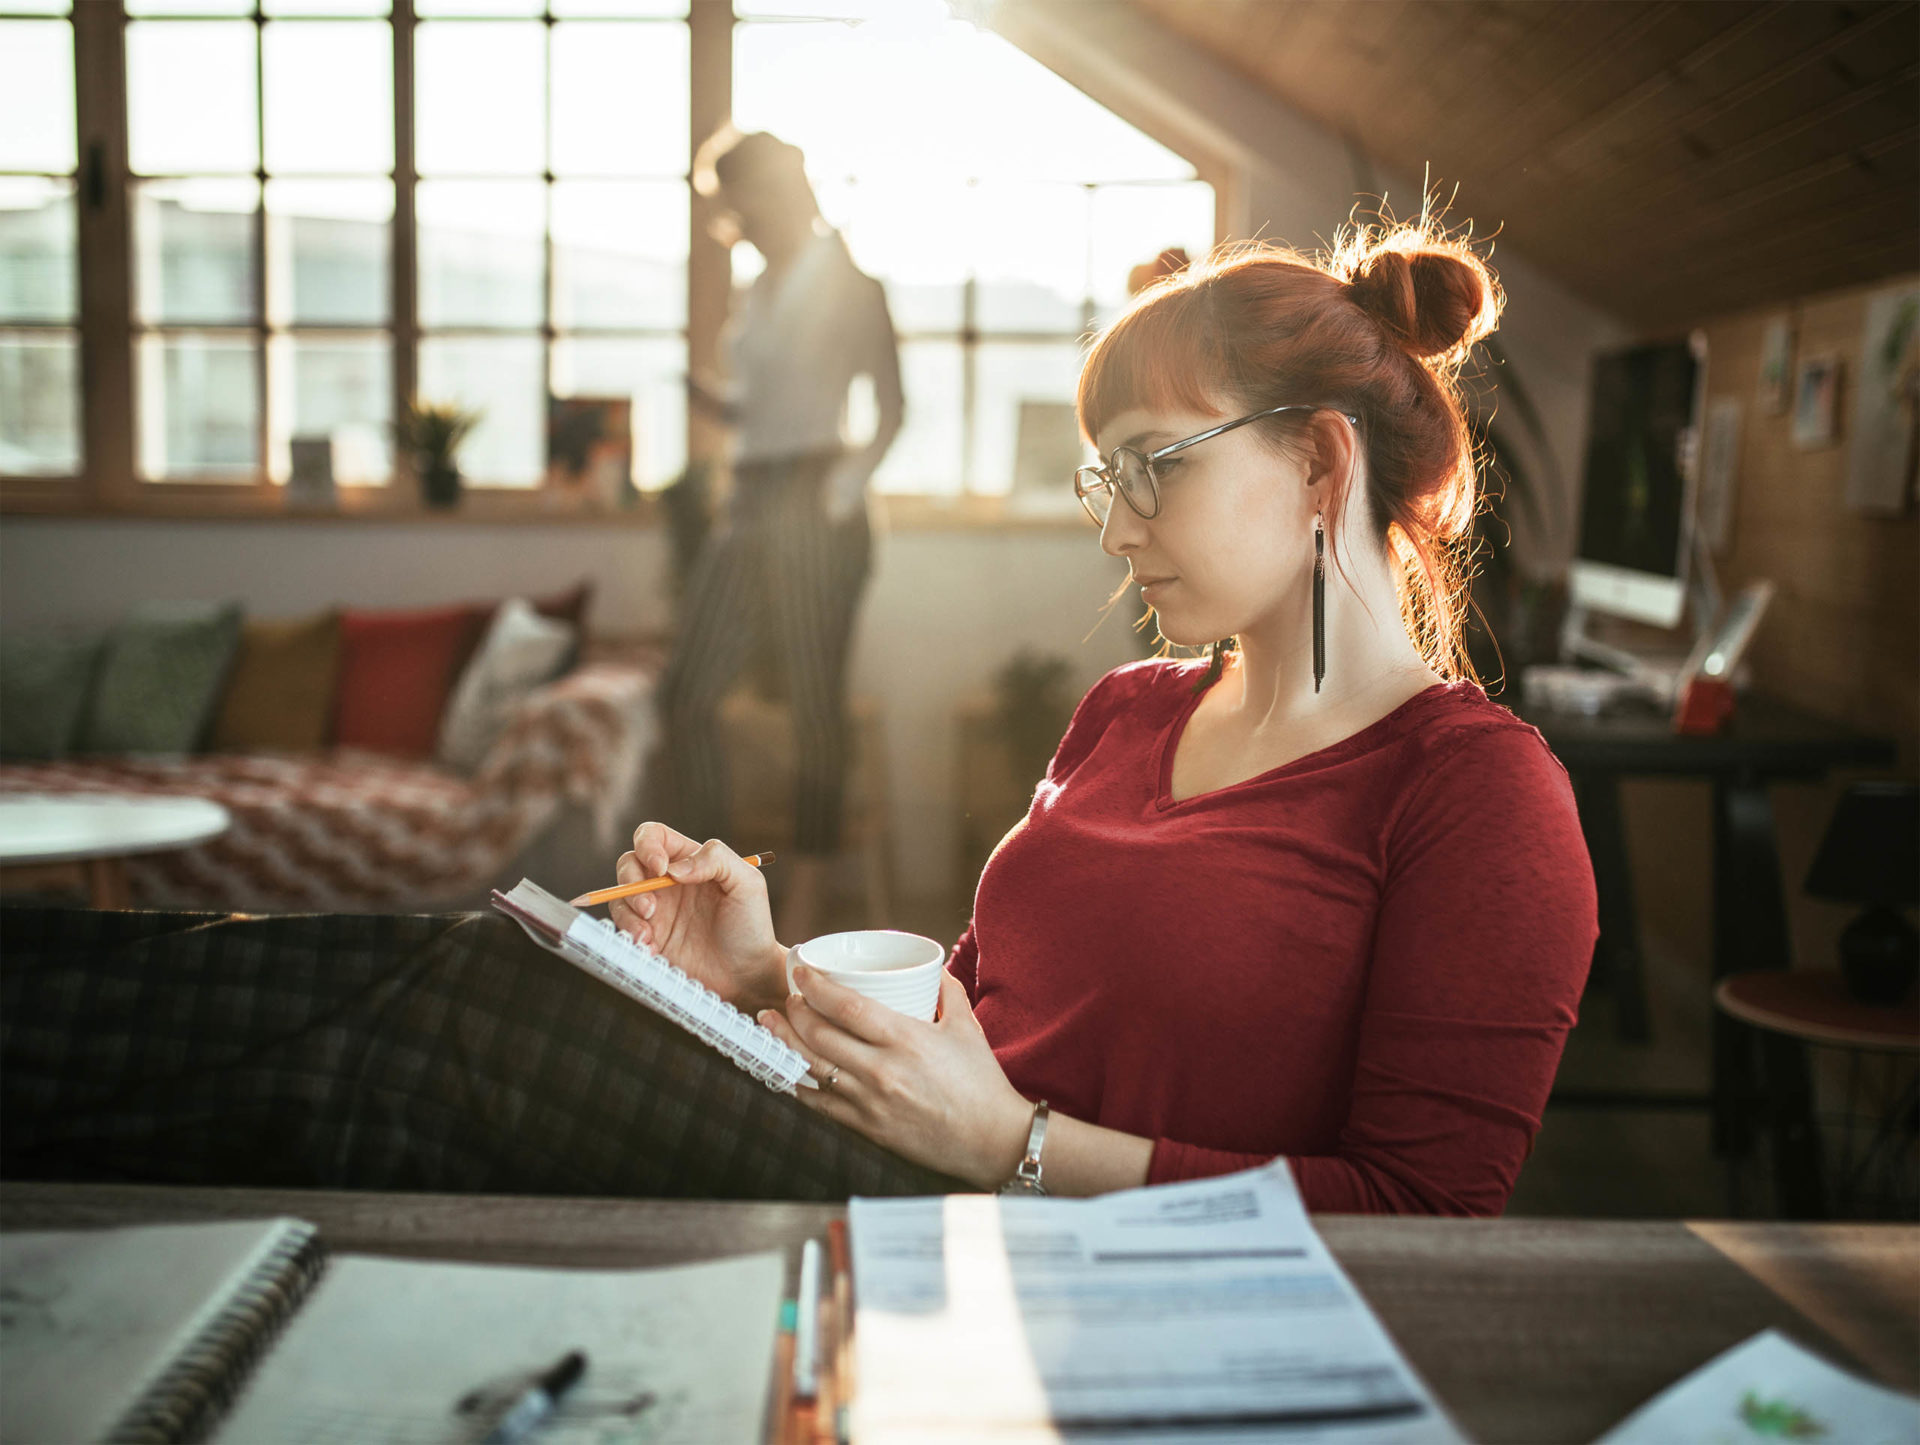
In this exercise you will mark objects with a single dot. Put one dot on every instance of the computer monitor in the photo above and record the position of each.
(1636, 514)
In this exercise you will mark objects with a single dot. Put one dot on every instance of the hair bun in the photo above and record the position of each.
(1430, 300)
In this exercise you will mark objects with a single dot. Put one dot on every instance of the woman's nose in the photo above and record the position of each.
(1124, 531)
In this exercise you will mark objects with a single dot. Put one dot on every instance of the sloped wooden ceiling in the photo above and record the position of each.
(1668, 161)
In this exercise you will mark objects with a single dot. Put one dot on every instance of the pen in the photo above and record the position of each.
(538, 1402)
(653, 885)
(806, 1335)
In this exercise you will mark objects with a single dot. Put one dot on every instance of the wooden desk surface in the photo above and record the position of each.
(1531, 1330)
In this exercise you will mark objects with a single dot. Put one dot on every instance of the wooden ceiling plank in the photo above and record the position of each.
(1875, 218)
(1589, 135)
(1679, 307)
(1658, 190)
(1799, 61)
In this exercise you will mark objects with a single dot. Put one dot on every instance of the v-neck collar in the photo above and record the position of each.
(1359, 742)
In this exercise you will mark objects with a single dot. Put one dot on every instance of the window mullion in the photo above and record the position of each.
(106, 258)
(709, 268)
(405, 292)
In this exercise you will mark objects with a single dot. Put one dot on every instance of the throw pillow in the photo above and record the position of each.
(43, 694)
(522, 650)
(396, 670)
(160, 677)
(279, 696)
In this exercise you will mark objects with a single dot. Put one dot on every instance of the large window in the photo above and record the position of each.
(296, 214)
(1002, 207)
(39, 253)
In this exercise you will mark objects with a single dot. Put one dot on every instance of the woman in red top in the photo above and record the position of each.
(1315, 897)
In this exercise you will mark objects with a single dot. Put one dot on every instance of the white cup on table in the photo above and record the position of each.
(900, 970)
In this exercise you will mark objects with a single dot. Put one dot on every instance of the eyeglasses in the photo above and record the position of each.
(1129, 471)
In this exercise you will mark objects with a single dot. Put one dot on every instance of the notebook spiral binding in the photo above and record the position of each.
(192, 1394)
(757, 1050)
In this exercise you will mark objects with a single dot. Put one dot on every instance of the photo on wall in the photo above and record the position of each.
(1816, 398)
(1882, 455)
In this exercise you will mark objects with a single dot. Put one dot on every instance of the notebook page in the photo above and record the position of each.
(416, 1353)
(89, 1319)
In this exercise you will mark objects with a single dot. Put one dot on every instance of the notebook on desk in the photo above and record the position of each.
(246, 1331)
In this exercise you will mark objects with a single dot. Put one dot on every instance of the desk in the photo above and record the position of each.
(1767, 741)
(1530, 1330)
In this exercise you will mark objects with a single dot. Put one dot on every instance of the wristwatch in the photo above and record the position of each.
(1026, 1179)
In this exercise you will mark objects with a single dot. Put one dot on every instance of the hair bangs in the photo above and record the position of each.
(1161, 354)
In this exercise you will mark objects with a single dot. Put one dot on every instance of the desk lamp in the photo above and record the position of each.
(1871, 855)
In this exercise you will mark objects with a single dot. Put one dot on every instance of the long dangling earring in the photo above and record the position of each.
(1319, 600)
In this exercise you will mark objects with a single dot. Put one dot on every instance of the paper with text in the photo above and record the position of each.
(1149, 1314)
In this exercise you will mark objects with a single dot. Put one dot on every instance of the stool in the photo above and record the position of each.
(758, 734)
(1812, 1007)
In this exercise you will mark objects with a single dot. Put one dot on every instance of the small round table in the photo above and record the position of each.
(1814, 1007)
(84, 839)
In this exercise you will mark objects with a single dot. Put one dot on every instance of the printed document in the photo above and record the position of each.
(1210, 1309)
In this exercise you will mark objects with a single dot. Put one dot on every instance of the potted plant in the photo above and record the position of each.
(433, 432)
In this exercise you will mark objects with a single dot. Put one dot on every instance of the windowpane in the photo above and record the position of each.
(482, 252)
(199, 407)
(328, 248)
(191, 97)
(1029, 247)
(620, 99)
(36, 95)
(41, 7)
(649, 370)
(37, 249)
(189, 7)
(619, 7)
(1025, 438)
(477, 7)
(913, 237)
(327, 7)
(480, 105)
(925, 457)
(335, 388)
(193, 254)
(502, 377)
(39, 404)
(329, 96)
(620, 254)
(1133, 224)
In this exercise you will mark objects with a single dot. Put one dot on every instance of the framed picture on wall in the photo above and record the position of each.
(1816, 399)
(1776, 366)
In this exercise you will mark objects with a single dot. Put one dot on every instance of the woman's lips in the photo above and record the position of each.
(1151, 585)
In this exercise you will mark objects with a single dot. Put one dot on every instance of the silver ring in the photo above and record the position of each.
(831, 1079)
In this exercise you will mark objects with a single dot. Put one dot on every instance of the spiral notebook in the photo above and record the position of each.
(247, 1332)
(609, 955)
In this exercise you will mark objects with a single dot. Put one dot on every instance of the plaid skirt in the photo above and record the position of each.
(416, 1052)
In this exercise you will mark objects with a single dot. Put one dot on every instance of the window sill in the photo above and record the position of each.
(487, 507)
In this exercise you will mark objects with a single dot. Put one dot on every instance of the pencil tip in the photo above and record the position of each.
(766, 858)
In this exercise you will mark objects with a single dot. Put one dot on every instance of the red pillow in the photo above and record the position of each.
(396, 670)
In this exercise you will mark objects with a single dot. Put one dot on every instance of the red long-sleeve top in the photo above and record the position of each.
(1366, 960)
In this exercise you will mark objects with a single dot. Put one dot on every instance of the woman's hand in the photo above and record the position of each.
(715, 925)
(932, 1092)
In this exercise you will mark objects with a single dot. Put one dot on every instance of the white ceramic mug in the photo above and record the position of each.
(900, 970)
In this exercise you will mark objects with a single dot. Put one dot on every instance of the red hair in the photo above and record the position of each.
(1378, 327)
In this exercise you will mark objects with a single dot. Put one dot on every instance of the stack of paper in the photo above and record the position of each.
(1206, 1308)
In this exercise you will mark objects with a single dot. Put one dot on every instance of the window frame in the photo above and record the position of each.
(108, 482)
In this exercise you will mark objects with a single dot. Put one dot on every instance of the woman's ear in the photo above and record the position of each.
(1332, 459)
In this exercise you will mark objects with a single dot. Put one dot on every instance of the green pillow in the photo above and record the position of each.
(43, 691)
(160, 678)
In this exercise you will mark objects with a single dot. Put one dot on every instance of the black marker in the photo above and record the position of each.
(538, 1402)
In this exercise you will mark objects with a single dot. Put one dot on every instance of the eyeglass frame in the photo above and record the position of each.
(1108, 478)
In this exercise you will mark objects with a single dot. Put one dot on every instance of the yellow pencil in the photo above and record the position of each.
(651, 885)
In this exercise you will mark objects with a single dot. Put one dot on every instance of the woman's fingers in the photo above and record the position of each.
(853, 1013)
(655, 845)
(819, 1063)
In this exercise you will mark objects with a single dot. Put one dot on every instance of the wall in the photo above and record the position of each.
(1841, 640)
(944, 612)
